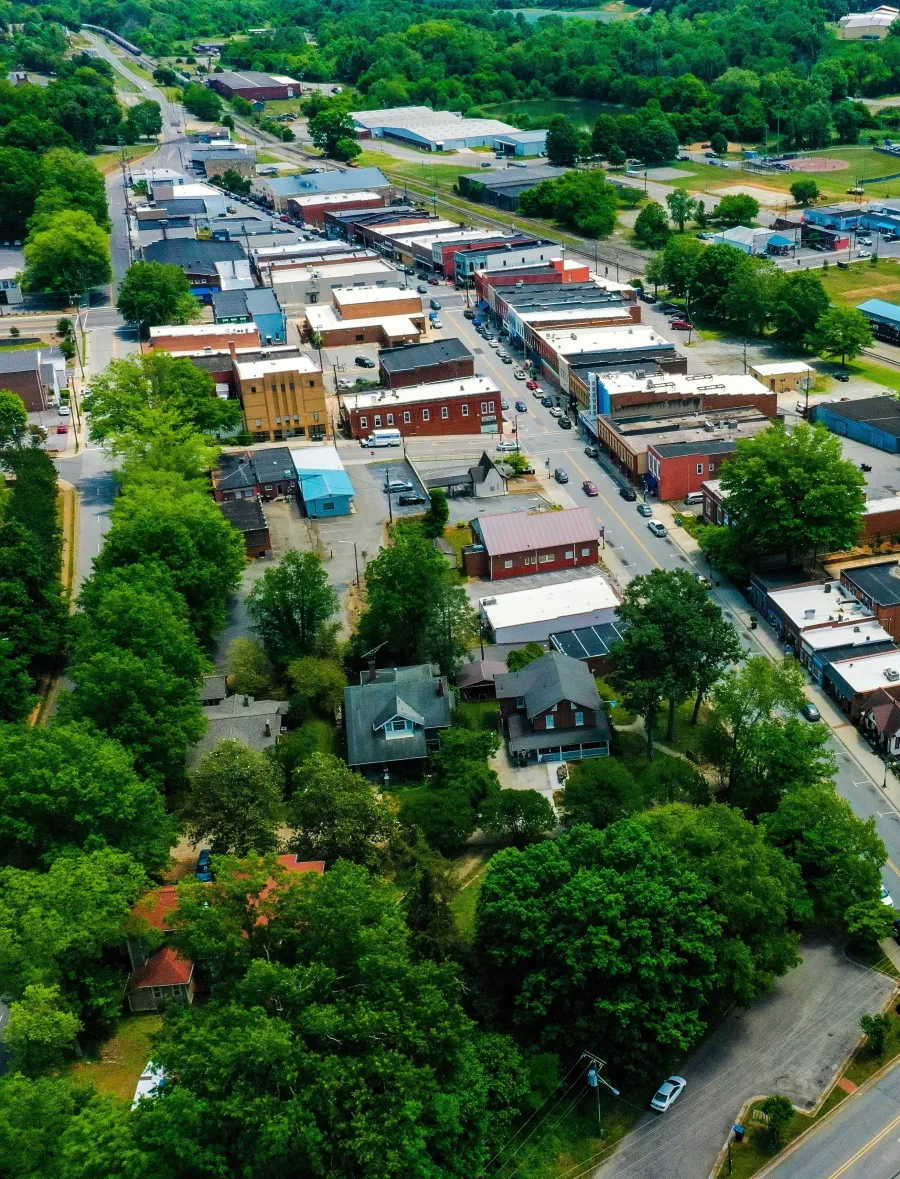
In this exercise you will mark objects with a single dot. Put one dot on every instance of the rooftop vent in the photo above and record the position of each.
(809, 613)
(826, 589)
(891, 674)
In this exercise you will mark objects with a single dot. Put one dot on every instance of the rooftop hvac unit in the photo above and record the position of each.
(735, 425)
(826, 588)
(809, 613)
(708, 426)
(489, 601)
(640, 374)
(891, 674)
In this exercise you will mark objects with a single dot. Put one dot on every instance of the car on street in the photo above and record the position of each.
(519, 375)
(565, 424)
(702, 581)
(591, 451)
(864, 241)
(434, 281)
(555, 411)
(421, 290)
(646, 296)
(521, 407)
(589, 488)
(505, 446)
(560, 475)
(64, 411)
(682, 325)
(504, 404)
(409, 499)
(710, 155)
(434, 304)
(645, 510)
(505, 358)
(886, 898)
(628, 493)
(363, 362)
(668, 1093)
(437, 322)
(811, 712)
(399, 485)
(532, 385)
(62, 429)
(860, 254)
(657, 528)
(842, 377)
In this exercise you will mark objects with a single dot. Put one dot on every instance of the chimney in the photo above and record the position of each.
(246, 702)
(440, 688)
(372, 673)
(233, 350)
(267, 729)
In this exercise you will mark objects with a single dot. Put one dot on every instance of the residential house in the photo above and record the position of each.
(255, 723)
(255, 474)
(476, 680)
(393, 718)
(879, 720)
(213, 689)
(552, 711)
(516, 544)
(485, 480)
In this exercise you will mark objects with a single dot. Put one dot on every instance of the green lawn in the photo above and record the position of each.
(617, 715)
(115, 1065)
(479, 715)
(472, 869)
(862, 281)
(687, 735)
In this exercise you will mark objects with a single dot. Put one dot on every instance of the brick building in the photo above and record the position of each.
(194, 337)
(387, 331)
(516, 544)
(254, 474)
(471, 405)
(553, 273)
(423, 364)
(247, 516)
(36, 375)
(311, 209)
(877, 586)
(369, 302)
(253, 85)
(676, 469)
(283, 398)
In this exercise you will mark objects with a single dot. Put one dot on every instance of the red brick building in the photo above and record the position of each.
(467, 406)
(195, 337)
(679, 468)
(516, 544)
(877, 586)
(247, 516)
(423, 364)
(312, 209)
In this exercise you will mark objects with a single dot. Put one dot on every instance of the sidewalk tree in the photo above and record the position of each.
(154, 293)
(805, 191)
(682, 207)
(778, 755)
(291, 605)
(651, 228)
(563, 142)
(234, 801)
(869, 922)
(842, 331)
(69, 256)
(792, 493)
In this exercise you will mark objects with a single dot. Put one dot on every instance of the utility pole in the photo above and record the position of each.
(594, 1079)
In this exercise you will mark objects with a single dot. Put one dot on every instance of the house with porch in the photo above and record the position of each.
(393, 718)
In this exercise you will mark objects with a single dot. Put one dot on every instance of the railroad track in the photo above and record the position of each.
(879, 356)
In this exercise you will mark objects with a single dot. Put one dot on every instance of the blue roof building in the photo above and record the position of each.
(257, 305)
(325, 486)
(883, 317)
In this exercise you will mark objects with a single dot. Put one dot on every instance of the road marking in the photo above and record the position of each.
(893, 867)
(865, 1149)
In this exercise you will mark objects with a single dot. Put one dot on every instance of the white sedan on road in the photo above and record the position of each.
(668, 1092)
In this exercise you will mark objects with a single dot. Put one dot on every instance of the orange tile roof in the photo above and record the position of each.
(293, 865)
(165, 968)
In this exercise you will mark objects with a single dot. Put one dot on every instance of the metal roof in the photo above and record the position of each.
(882, 413)
(413, 356)
(880, 309)
(517, 532)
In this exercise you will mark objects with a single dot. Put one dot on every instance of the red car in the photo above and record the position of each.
(589, 488)
(681, 325)
(532, 385)
(62, 429)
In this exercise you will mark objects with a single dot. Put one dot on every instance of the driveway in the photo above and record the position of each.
(793, 1041)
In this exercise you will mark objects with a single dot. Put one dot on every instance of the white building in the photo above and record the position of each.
(429, 129)
(532, 615)
(868, 26)
(298, 285)
(10, 291)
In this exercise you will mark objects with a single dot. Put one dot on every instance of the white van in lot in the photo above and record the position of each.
(382, 438)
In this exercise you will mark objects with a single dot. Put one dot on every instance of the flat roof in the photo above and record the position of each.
(807, 605)
(706, 384)
(880, 582)
(571, 342)
(890, 503)
(399, 227)
(322, 317)
(545, 603)
(311, 459)
(410, 394)
(588, 641)
(597, 312)
(680, 449)
(338, 270)
(452, 234)
(352, 295)
(865, 673)
(250, 79)
(430, 124)
(256, 369)
(881, 309)
(782, 367)
(204, 329)
(821, 638)
(317, 198)
(409, 357)
(644, 432)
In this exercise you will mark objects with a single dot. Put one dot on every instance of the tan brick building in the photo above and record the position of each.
(283, 397)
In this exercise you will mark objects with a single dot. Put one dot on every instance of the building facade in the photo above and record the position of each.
(283, 398)
(516, 544)
(471, 405)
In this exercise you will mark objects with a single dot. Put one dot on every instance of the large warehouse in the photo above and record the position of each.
(432, 130)
(253, 85)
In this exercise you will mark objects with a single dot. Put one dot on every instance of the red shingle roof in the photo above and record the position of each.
(156, 906)
(165, 968)
(519, 532)
(293, 865)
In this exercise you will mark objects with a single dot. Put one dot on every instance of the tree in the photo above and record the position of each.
(145, 119)
(20, 182)
(605, 135)
(869, 922)
(793, 492)
(446, 818)
(681, 207)
(154, 293)
(249, 671)
(842, 331)
(156, 386)
(451, 629)
(655, 272)
(429, 916)
(516, 660)
(35, 135)
(802, 302)
(750, 299)
(307, 1010)
(876, 1029)
(679, 263)
(291, 605)
(805, 191)
(615, 157)
(345, 149)
(438, 513)
(69, 256)
(235, 182)
(202, 102)
(39, 1030)
(235, 800)
(600, 935)
(776, 756)
(523, 816)
(328, 128)
(600, 792)
(718, 143)
(780, 1112)
(839, 855)
(321, 682)
(714, 272)
(672, 779)
(737, 209)
(752, 886)
(657, 142)
(68, 788)
(71, 181)
(563, 142)
(165, 76)
(336, 814)
(651, 228)
(13, 417)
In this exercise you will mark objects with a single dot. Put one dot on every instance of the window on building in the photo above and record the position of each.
(259, 421)
(465, 411)
(267, 487)
(283, 390)
(252, 388)
(364, 422)
(545, 558)
(377, 420)
(407, 417)
(312, 383)
(507, 564)
(398, 725)
(426, 415)
(296, 418)
(328, 505)
(699, 468)
(291, 386)
(315, 417)
(570, 555)
(520, 702)
(278, 421)
(390, 418)
(445, 412)
(712, 467)
(551, 720)
(585, 552)
(579, 720)
(360, 338)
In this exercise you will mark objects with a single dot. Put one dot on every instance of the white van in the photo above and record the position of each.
(694, 497)
(382, 438)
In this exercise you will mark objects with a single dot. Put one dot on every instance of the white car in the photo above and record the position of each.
(865, 241)
(668, 1092)
(151, 1079)
(506, 447)
(555, 412)
(519, 375)
(886, 898)
(863, 254)
(399, 485)
(657, 528)
(436, 323)
(493, 343)
(345, 383)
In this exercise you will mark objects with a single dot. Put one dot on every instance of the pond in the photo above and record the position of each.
(582, 111)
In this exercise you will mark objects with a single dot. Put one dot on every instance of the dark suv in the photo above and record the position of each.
(628, 493)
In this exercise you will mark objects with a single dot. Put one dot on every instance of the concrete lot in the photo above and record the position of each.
(793, 1041)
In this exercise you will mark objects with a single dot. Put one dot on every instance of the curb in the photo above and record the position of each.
(740, 1120)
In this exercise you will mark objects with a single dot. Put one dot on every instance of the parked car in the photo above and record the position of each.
(437, 322)
(589, 488)
(669, 308)
(505, 357)
(555, 412)
(565, 424)
(682, 325)
(548, 402)
(668, 1092)
(886, 898)
(532, 385)
(421, 290)
(468, 313)
(487, 164)
(62, 429)
(435, 304)
(363, 362)
(657, 528)
(410, 499)
(865, 241)
(711, 155)
(505, 446)
(591, 451)
(628, 493)
(491, 343)
(399, 485)
(682, 159)
(862, 254)
(434, 281)
(504, 404)
(64, 411)
(645, 510)
(560, 475)
(647, 297)
(811, 712)
(519, 375)
(521, 407)
(842, 377)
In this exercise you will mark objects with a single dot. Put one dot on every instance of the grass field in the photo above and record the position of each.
(862, 281)
(116, 1065)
